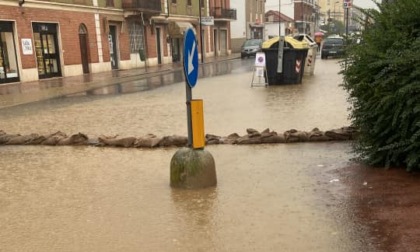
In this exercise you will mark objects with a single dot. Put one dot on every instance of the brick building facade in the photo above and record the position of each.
(40, 39)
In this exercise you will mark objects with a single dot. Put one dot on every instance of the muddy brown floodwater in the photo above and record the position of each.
(281, 197)
(268, 198)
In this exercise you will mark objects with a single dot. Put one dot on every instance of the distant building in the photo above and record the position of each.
(249, 23)
(331, 10)
(54, 38)
(277, 23)
(220, 35)
(305, 13)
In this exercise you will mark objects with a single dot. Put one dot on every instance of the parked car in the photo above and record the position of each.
(251, 47)
(332, 46)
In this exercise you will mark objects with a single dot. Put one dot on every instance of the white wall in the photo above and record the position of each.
(272, 29)
(238, 26)
(287, 7)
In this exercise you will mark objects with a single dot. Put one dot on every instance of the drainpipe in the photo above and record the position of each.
(201, 33)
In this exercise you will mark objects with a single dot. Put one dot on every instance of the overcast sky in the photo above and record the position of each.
(364, 3)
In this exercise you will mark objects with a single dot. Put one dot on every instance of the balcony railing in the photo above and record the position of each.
(142, 5)
(222, 13)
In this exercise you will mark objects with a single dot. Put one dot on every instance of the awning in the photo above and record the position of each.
(176, 29)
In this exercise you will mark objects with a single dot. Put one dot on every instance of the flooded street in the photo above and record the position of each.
(230, 105)
(109, 199)
(279, 197)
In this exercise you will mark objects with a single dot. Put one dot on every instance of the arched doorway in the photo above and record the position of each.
(83, 40)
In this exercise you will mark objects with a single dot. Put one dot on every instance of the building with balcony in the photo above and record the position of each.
(222, 14)
(249, 23)
(306, 15)
(147, 38)
(40, 39)
(175, 18)
(277, 23)
(44, 39)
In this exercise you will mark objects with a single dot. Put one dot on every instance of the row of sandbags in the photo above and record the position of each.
(151, 141)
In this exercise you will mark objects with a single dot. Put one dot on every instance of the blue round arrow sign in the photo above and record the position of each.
(190, 57)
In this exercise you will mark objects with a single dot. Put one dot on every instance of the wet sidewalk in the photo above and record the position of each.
(13, 94)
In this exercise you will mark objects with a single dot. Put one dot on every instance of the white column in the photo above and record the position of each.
(98, 37)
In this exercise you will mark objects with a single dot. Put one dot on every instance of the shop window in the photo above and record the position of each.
(8, 60)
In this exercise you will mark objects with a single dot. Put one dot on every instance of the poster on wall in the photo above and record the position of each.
(27, 47)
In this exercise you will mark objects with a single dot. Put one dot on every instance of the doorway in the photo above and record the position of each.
(158, 46)
(83, 40)
(176, 51)
(223, 42)
(46, 49)
(112, 40)
(8, 60)
(215, 42)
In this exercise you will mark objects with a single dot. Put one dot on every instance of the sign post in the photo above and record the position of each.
(260, 69)
(280, 55)
(346, 5)
(191, 75)
(193, 167)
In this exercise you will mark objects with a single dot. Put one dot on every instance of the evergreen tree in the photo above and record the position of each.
(382, 77)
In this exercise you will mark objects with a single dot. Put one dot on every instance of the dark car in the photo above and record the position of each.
(332, 46)
(251, 47)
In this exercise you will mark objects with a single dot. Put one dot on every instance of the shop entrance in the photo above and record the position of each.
(215, 42)
(83, 40)
(158, 46)
(176, 51)
(112, 40)
(46, 49)
(223, 42)
(8, 60)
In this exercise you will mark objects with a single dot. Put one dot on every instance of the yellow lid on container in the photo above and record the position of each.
(296, 44)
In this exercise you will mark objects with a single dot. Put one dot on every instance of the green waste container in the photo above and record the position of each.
(294, 57)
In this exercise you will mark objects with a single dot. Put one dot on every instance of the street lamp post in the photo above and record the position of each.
(303, 9)
(279, 18)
